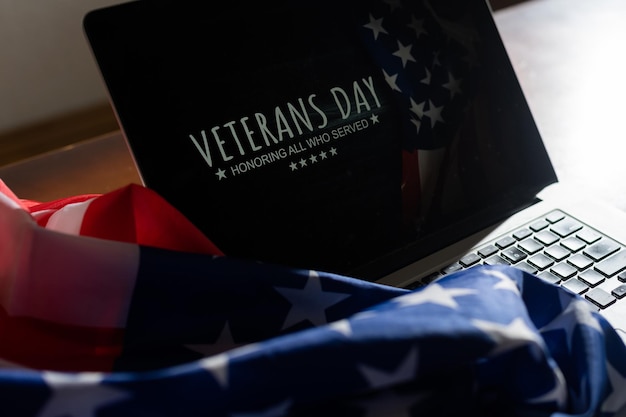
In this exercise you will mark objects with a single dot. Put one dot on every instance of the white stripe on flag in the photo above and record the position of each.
(63, 278)
(72, 280)
(69, 219)
(37, 215)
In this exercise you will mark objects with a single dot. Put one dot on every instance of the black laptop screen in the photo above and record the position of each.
(321, 134)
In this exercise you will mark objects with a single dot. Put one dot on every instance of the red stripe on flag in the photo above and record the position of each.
(44, 345)
(138, 215)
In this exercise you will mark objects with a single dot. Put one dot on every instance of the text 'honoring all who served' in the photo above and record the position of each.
(231, 144)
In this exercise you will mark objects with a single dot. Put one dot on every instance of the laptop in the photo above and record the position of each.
(384, 140)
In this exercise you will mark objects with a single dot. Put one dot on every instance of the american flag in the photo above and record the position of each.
(114, 305)
(428, 60)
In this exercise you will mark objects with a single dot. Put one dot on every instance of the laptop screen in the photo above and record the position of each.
(326, 134)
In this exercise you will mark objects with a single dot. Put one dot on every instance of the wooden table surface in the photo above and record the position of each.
(95, 166)
(567, 54)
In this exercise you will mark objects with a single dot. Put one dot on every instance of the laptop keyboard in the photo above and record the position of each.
(560, 249)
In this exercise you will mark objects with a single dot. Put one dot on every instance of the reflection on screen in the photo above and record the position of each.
(324, 135)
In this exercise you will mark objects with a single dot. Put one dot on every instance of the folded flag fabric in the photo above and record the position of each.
(115, 305)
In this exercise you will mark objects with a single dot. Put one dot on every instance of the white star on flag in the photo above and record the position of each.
(79, 395)
(405, 371)
(417, 109)
(376, 25)
(576, 313)
(428, 78)
(224, 342)
(342, 326)
(505, 282)
(435, 294)
(218, 367)
(404, 53)
(454, 85)
(309, 303)
(417, 123)
(418, 26)
(434, 113)
(392, 81)
(510, 336)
